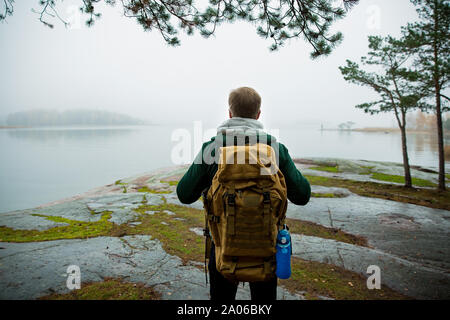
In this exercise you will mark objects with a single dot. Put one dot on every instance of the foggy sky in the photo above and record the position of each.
(118, 67)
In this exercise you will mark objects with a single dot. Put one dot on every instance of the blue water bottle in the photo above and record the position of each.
(283, 255)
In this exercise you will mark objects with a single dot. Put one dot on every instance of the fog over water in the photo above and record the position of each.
(116, 66)
(46, 164)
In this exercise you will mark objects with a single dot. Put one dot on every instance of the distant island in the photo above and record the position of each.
(386, 130)
(37, 118)
(418, 122)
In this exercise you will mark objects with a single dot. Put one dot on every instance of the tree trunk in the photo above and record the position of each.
(437, 90)
(440, 142)
(408, 182)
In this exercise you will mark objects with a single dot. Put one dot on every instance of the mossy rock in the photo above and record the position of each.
(328, 195)
(321, 279)
(73, 230)
(401, 179)
(334, 169)
(109, 289)
(157, 191)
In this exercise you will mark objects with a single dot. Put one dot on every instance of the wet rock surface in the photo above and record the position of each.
(32, 270)
(361, 170)
(402, 275)
(416, 233)
(410, 243)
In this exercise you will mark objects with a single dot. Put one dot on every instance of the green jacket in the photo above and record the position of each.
(200, 174)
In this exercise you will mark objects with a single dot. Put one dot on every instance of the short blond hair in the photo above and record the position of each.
(244, 102)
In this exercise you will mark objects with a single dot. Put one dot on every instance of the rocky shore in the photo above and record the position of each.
(136, 231)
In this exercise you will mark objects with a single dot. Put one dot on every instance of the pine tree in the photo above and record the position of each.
(278, 20)
(394, 83)
(429, 40)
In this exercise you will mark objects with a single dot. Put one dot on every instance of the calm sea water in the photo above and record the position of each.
(39, 165)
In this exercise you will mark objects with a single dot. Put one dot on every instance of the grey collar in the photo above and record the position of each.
(237, 125)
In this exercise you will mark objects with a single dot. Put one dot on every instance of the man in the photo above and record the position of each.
(244, 111)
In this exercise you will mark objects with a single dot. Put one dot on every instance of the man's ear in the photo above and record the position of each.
(230, 114)
(259, 113)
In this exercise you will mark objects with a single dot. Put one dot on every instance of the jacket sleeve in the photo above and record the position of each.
(298, 188)
(194, 181)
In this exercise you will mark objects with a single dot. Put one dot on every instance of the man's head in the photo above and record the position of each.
(244, 102)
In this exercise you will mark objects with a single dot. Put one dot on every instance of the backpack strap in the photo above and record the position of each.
(206, 233)
(234, 261)
(282, 220)
(267, 216)
(231, 211)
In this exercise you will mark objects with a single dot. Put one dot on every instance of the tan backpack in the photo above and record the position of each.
(245, 206)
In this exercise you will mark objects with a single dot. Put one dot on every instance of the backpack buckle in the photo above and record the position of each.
(266, 197)
(231, 199)
(214, 218)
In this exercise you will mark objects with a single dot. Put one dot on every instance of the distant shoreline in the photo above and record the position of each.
(385, 130)
(79, 126)
(14, 127)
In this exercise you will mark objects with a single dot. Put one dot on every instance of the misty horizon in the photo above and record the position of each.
(102, 115)
(143, 77)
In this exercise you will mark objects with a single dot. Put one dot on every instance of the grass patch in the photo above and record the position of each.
(170, 183)
(174, 234)
(75, 229)
(366, 170)
(122, 184)
(312, 229)
(321, 279)
(327, 195)
(109, 289)
(425, 197)
(147, 189)
(334, 169)
(401, 179)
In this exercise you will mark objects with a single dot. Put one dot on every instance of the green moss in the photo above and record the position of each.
(401, 179)
(75, 229)
(388, 177)
(334, 169)
(313, 229)
(174, 234)
(320, 279)
(425, 197)
(120, 183)
(366, 170)
(327, 195)
(147, 189)
(109, 289)
(319, 180)
(171, 183)
(447, 176)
